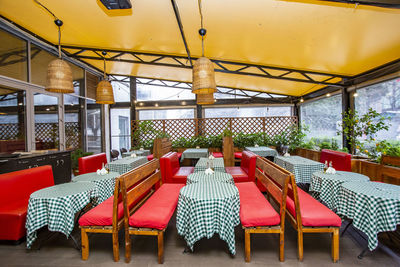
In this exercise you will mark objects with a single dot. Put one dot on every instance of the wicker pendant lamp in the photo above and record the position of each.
(203, 69)
(104, 90)
(205, 99)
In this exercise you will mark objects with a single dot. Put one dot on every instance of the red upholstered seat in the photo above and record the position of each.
(313, 213)
(158, 209)
(150, 157)
(341, 161)
(92, 163)
(217, 154)
(15, 190)
(171, 172)
(247, 169)
(101, 214)
(238, 155)
(255, 210)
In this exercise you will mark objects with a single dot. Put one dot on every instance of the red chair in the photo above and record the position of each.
(217, 154)
(238, 155)
(171, 172)
(92, 163)
(150, 157)
(247, 169)
(341, 161)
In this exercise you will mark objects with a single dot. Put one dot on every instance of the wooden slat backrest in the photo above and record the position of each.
(388, 160)
(116, 201)
(390, 175)
(161, 147)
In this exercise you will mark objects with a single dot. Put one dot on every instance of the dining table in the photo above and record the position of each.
(126, 164)
(217, 164)
(325, 186)
(302, 168)
(56, 207)
(262, 151)
(373, 207)
(199, 177)
(138, 152)
(194, 153)
(104, 184)
(206, 208)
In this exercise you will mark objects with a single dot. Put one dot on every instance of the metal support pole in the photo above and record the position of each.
(346, 106)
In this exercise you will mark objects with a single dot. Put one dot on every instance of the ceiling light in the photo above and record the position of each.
(301, 100)
(156, 104)
(355, 94)
(183, 102)
(328, 94)
(104, 90)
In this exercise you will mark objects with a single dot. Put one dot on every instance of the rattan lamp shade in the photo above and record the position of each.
(205, 99)
(59, 77)
(203, 77)
(104, 93)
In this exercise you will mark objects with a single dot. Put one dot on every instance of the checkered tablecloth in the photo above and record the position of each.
(105, 184)
(326, 186)
(194, 153)
(144, 153)
(208, 208)
(217, 164)
(373, 207)
(126, 164)
(199, 177)
(302, 168)
(263, 151)
(56, 207)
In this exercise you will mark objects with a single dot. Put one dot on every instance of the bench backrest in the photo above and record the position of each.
(161, 147)
(92, 163)
(341, 161)
(136, 182)
(169, 166)
(19, 185)
(276, 180)
(248, 163)
(389, 160)
(390, 174)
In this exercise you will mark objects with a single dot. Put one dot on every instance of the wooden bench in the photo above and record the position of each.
(389, 174)
(256, 213)
(153, 216)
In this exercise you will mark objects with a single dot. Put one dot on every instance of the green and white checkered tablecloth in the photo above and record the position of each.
(326, 186)
(126, 164)
(105, 184)
(208, 208)
(373, 207)
(144, 153)
(56, 207)
(199, 177)
(217, 164)
(302, 168)
(194, 153)
(263, 151)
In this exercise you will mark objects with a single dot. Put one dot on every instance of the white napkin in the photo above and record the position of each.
(141, 148)
(133, 155)
(197, 147)
(331, 170)
(211, 157)
(103, 171)
(256, 145)
(209, 171)
(286, 155)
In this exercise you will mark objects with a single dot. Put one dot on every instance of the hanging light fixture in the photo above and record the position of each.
(205, 99)
(59, 74)
(203, 68)
(104, 90)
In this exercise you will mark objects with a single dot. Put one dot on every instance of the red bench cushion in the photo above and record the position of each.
(255, 210)
(12, 220)
(217, 154)
(238, 174)
(341, 161)
(313, 213)
(92, 163)
(150, 157)
(158, 209)
(238, 155)
(171, 172)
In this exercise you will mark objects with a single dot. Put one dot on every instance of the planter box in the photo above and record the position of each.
(308, 153)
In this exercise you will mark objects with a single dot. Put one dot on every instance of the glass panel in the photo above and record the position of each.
(121, 91)
(120, 128)
(247, 112)
(46, 122)
(13, 55)
(385, 99)
(12, 120)
(73, 122)
(324, 117)
(151, 92)
(93, 127)
(152, 114)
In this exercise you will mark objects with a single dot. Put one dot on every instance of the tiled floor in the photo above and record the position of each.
(208, 252)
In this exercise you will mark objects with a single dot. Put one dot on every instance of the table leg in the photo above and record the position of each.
(345, 229)
(187, 250)
(76, 243)
(362, 253)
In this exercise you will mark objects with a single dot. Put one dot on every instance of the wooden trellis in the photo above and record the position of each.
(187, 128)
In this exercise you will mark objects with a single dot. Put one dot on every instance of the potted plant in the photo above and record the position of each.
(75, 155)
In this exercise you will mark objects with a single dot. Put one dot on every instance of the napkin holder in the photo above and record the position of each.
(197, 147)
(133, 155)
(141, 149)
(209, 171)
(211, 157)
(330, 170)
(256, 145)
(286, 154)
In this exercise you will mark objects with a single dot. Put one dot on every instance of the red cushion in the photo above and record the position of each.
(248, 164)
(238, 174)
(158, 209)
(217, 154)
(92, 163)
(341, 161)
(12, 220)
(179, 155)
(238, 155)
(181, 175)
(313, 213)
(150, 157)
(170, 169)
(255, 210)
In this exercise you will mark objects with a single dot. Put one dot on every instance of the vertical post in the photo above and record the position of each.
(346, 106)
(82, 113)
(133, 93)
(199, 120)
(296, 112)
(106, 130)
(61, 123)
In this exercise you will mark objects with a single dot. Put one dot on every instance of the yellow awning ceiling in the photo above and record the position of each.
(306, 35)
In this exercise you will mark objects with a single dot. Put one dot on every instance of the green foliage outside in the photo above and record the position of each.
(75, 155)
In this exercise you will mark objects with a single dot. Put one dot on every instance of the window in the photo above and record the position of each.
(248, 112)
(156, 114)
(46, 122)
(151, 92)
(93, 127)
(121, 89)
(324, 117)
(13, 54)
(120, 128)
(385, 99)
(73, 125)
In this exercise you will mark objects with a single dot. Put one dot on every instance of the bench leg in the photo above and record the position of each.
(115, 246)
(127, 246)
(84, 244)
(160, 241)
(247, 245)
(300, 244)
(282, 245)
(335, 245)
